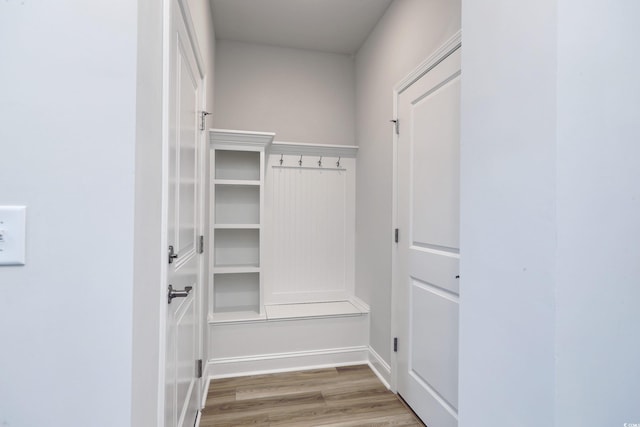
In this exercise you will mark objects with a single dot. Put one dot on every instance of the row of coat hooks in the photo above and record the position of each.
(300, 161)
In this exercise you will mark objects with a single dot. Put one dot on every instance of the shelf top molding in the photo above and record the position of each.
(301, 148)
(231, 137)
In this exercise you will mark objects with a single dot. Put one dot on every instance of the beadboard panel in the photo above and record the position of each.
(310, 214)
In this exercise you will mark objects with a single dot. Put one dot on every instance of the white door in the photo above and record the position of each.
(185, 89)
(427, 255)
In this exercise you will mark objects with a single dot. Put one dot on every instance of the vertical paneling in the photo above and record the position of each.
(310, 222)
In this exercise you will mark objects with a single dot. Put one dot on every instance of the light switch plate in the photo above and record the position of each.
(13, 235)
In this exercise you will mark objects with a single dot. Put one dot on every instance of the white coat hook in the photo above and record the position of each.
(338, 162)
(300, 161)
(320, 162)
(281, 155)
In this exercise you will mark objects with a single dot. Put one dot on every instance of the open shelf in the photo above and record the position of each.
(237, 165)
(237, 204)
(236, 292)
(240, 268)
(236, 247)
(235, 182)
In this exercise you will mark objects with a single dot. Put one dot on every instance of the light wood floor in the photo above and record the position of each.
(335, 397)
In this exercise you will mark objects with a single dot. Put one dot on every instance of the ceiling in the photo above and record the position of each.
(338, 26)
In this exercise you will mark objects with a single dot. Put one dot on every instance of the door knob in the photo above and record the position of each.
(171, 294)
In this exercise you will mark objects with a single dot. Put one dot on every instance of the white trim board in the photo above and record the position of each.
(226, 138)
(296, 311)
(297, 361)
(380, 367)
(300, 148)
(286, 362)
(312, 310)
(425, 66)
(191, 32)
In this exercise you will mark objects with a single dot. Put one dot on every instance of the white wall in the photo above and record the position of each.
(407, 34)
(68, 129)
(148, 265)
(550, 240)
(508, 235)
(598, 214)
(301, 95)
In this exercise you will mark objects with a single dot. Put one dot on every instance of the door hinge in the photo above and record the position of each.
(203, 115)
(396, 123)
(199, 368)
(395, 345)
(172, 255)
(201, 245)
(397, 235)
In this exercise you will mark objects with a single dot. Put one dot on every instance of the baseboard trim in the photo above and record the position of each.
(380, 367)
(296, 361)
(205, 391)
(286, 362)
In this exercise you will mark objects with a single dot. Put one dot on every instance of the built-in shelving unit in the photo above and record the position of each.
(237, 205)
(282, 256)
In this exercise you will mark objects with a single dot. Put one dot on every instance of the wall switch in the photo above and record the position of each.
(12, 235)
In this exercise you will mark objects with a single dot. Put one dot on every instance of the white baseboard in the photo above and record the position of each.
(380, 367)
(297, 361)
(284, 362)
(205, 390)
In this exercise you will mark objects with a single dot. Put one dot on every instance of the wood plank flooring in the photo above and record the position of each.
(335, 397)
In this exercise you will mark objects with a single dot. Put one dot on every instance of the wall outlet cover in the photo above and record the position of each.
(13, 235)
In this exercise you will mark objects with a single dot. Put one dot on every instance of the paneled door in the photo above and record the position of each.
(182, 213)
(427, 256)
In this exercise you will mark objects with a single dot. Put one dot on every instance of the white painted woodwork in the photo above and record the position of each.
(237, 204)
(427, 257)
(237, 165)
(310, 217)
(282, 256)
(236, 292)
(243, 348)
(306, 149)
(181, 394)
(236, 248)
(380, 367)
(237, 200)
(310, 310)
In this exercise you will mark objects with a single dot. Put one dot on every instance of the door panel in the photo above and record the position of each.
(438, 369)
(185, 357)
(427, 259)
(187, 153)
(436, 210)
(435, 267)
(185, 89)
